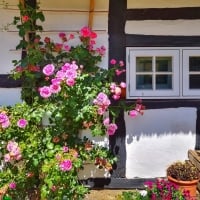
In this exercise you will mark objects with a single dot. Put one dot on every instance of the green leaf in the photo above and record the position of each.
(50, 145)
(22, 32)
(41, 16)
(35, 162)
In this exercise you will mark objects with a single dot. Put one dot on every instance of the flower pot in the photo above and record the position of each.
(190, 186)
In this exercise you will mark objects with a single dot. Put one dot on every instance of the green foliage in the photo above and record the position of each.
(42, 151)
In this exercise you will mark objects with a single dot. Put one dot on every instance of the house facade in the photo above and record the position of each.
(160, 43)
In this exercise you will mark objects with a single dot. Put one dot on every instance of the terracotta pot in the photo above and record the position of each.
(191, 186)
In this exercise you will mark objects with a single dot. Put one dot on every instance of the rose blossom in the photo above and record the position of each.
(7, 157)
(55, 88)
(133, 113)
(25, 18)
(85, 32)
(102, 100)
(106, 121)
(65, 165)
(123, 85)
(118, 91)
(65, 149)
(118, 72)
(12, 185)
(67, 47)
(121, 63)
(11, 145)
(5, 124)
(70, 82)
(71, 73)
(116, 97)
(113, 61)
(61, 35)
(45, 91)
(111, 129)
(4, 120)
(48, 70)
(22, 123)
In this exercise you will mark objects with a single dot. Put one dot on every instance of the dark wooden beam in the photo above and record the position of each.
(163, 13)
(116, 24)
(197, 145)
(167, 103)
(161, 41)
(116, 183)
(31, 3)
(7, 82)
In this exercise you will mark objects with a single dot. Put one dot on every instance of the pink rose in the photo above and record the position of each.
(45, 91)
(55, 88)
(133, 113)
(65, 165)
(85, 32)
(48, 70)
(123, 85)
(113, 61)
(12, 185)
(111, 129)
(70, 82)
(22, 123)
(106, 121)
(121, 63)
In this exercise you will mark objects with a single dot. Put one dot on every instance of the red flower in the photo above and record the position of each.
(25, 18)
(47, 40)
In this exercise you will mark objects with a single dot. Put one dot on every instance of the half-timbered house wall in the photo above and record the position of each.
(170, 126)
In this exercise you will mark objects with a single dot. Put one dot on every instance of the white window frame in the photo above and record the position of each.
(180, 70)
(187, 92)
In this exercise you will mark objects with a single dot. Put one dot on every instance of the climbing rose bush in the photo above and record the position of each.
(64, 91)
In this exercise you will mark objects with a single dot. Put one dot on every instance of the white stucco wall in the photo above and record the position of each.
(157, 138)
(162, 3)
(163, 27)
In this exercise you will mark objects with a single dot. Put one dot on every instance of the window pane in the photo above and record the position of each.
(143, 82)
(194, 62)
(194, 82)
(143, 64)
(163, 82)
(163, 64)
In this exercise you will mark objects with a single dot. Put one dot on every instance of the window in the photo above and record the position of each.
(191, 72)
(163, 72)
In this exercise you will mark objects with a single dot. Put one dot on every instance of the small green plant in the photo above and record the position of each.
(132, 195)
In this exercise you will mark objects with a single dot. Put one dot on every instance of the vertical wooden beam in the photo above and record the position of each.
(117, 42)
(91, 14)
(22, 2)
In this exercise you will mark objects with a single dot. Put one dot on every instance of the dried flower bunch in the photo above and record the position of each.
(184, 171)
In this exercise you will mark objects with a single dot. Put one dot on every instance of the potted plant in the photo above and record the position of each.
(185, 175)
(160, 189)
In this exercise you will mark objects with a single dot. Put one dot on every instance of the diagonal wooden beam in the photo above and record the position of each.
(91, 14)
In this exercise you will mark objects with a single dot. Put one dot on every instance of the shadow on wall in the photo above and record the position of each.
(157, 138)
(161, 122)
